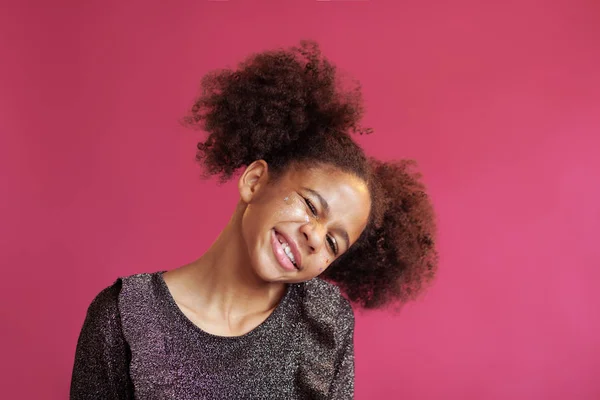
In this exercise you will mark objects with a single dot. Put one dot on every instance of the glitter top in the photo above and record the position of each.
(137, 344)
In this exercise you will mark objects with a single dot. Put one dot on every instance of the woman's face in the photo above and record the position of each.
(296, 226)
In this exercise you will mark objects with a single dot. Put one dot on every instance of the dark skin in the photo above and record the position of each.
(239, 281)
(289, 105)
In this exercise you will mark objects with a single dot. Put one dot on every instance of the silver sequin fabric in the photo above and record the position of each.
(136, 343)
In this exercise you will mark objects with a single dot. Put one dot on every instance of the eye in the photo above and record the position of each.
(311, 206)
(332, 244)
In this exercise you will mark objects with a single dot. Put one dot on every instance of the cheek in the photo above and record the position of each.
(292, 208)
(325, 260)
(251, 221)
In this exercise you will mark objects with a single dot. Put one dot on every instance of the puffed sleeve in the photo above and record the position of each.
(102, 356)
(342, 387)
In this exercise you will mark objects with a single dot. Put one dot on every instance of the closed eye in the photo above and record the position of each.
(330, 240)
(332, 244)
(311, 206)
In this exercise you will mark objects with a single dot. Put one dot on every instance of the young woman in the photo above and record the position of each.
(261, 314)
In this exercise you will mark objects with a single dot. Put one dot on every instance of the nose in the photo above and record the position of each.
(314, 235)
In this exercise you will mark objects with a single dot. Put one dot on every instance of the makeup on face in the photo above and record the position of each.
(313, 216)
(310, 204)
(284, 238)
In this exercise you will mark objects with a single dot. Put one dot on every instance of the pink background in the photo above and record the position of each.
(499, 103)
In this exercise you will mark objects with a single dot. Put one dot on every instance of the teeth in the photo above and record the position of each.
(288, 252)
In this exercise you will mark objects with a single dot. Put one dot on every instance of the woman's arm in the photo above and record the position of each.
(101, 368)
(342, 387)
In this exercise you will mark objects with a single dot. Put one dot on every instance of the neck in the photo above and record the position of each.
(225, 280)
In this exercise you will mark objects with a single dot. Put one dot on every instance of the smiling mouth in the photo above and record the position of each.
(285, 251)
(288, 250)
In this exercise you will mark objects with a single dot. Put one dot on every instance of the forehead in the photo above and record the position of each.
(325, 178)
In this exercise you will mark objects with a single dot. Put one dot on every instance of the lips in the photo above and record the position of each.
(293, 247)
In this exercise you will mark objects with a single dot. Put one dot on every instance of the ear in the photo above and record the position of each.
(254, 177)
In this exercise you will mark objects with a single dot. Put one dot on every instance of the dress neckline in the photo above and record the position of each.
(264, 325)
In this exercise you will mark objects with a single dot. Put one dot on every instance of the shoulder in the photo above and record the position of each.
(106, 302)
(325, 330)
(143, 283)
(140, 293)
(107, 296)
(324, 301)
(324, 294)
(102, 316)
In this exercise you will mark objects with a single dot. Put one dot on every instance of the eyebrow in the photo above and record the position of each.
(326, 209)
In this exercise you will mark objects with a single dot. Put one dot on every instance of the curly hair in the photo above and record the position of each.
(288, 107)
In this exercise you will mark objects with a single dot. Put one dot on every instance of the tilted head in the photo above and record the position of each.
(299, 222)
(314, 204)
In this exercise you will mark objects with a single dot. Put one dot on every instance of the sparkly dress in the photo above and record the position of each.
(137, 344)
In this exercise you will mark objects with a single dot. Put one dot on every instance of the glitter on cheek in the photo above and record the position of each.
(296, 210)
(292, 211)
